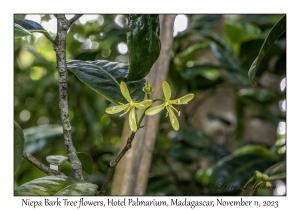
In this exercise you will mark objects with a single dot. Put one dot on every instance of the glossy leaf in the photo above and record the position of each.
(86, 161)
(18, 146)
(143, 44)
(31, 26)
(235, 171)
(19, 31)
(104, 77)
(278, 29)
(57, 186)
(250, 49)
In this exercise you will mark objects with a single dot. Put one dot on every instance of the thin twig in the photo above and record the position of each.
(40, 165)
(74, 18)
(60, 48)
(114, 163)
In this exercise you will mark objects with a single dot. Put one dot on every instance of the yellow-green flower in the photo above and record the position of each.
(168, 104)
(128, 107)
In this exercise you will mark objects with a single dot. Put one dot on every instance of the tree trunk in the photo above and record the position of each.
(131, 174)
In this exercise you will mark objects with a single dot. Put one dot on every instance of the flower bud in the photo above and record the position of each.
(258, 175)
(148, 88)
(265, 177)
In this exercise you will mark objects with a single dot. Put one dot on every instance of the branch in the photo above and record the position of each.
(40, 165)
(114, 163)
(59, 46)
(73, 19)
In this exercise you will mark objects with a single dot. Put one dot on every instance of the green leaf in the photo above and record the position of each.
(232, 172)
(276, 171)
(19, 31)
(33, 134)
(182, 58)
(104, 77)
(255, 149)
(143, 44)
(203, 176)
(237, 31)
(56, 185)
(201, 69)
(226, 56)
(278, 29)
(18, 146)
(261, 96)
(31, 26)
(86, 161)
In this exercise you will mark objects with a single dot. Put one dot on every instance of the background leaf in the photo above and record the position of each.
(274, 34)
(104, 77)
(56, 185)
(33, 134)
(18, 146)
(197, 140)
(235, 171)
(143, 44)
(19, 31)
(31, 26)
(276, 171)
(86, 161)
(256, 149)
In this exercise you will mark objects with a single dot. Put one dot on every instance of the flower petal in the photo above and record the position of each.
(155, 110)
(132, 120)
(173, 119)
(125, 92)
(183, 100)
(116, 109)
(143, 104)
(167, 90)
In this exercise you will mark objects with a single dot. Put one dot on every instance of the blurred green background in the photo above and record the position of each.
(230, 129)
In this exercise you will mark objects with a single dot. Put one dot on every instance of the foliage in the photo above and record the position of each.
(184, 161)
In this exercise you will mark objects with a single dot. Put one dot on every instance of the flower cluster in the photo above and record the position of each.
(129, 107)
(167, 103)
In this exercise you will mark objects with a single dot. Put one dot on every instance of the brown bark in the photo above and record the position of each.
(40, 165)
(131, 174)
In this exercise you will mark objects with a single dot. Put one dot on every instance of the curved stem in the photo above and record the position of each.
(114, 163)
